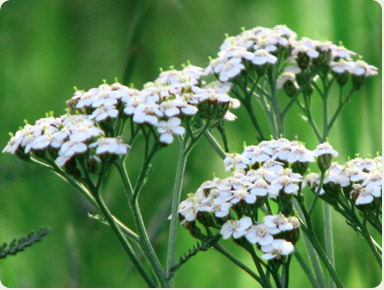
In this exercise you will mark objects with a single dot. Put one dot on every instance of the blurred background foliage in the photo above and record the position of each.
(48, 46)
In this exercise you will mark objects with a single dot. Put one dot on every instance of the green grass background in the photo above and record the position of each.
(48, 46)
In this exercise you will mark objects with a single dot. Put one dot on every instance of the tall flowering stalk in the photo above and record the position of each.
(101, 127)
(261, 205)
(277, 70)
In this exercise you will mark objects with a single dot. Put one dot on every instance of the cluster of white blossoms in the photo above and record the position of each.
(263, 233)
(161, 104)
(93, 121)
(260, 172)
(260, 47)
(63, 138)
(275, 154)
(362, 178)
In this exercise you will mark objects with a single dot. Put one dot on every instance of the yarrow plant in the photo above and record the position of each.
(261, 207)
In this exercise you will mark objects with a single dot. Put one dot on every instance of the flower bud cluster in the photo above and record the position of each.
(162, 104)
(360, 179)
(260, 48)
(64, 138)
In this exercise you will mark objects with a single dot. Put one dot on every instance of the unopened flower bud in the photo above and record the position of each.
(193, 229)
(300, 167)
(358, 81)
(325, 152)
(341, 78)
(290, 88)
(302, 60)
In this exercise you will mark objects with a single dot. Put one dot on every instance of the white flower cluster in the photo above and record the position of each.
(64, 138)
(261, 46)
(361, 177)
(162, 103)
(260, 172)
(271, 153)
(262, 233)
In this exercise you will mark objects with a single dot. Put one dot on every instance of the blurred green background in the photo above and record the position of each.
(48, 46)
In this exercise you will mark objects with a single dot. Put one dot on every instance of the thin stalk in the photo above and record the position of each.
(286, 272)
(271, 121)
(309, 116)
(88, 195)
(144, 171)
(276, 106)
(315, 262)
(306, 268)
(148, 252)
(317, 193)
(329, 239)
(122, 239)
(238, 263)
(339, 109)
(247, 103)
(212, 140)
(314, 259)
(328, 233)
(318, 248)
(224, 137)
(256, 261)
(175, 203)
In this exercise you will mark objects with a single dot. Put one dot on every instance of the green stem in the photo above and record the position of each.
(223, 136)
(314, 259)
(175, 204)
(306, 268)
(318, 248)
(124, 242)
(212, 140)
(329, 239)
(88, 195)
(248, 106)
(317, 193)
(238, 263)
(144, 172)
(339, 109)
(148, 252)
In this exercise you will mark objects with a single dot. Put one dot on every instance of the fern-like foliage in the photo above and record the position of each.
(203, 246)
(18, 245)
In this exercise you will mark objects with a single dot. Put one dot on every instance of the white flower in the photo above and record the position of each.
(259, 234)
(235, 228)
(300, 154)
(276, 249)
(231, 68)
(168, 128)
(218, 207)
(110, 145)
(257, 154)
(14, 144)
(236, 161)
(361, 68)
(190, 207)
(260, 187)
(263, 57)
(364, 194)
(325, 148)
(104, 112)
(341, 52)
(145, 113)
(340, 66)
(306, 46)
(277, 224)
(284, 183)
(71, 148)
